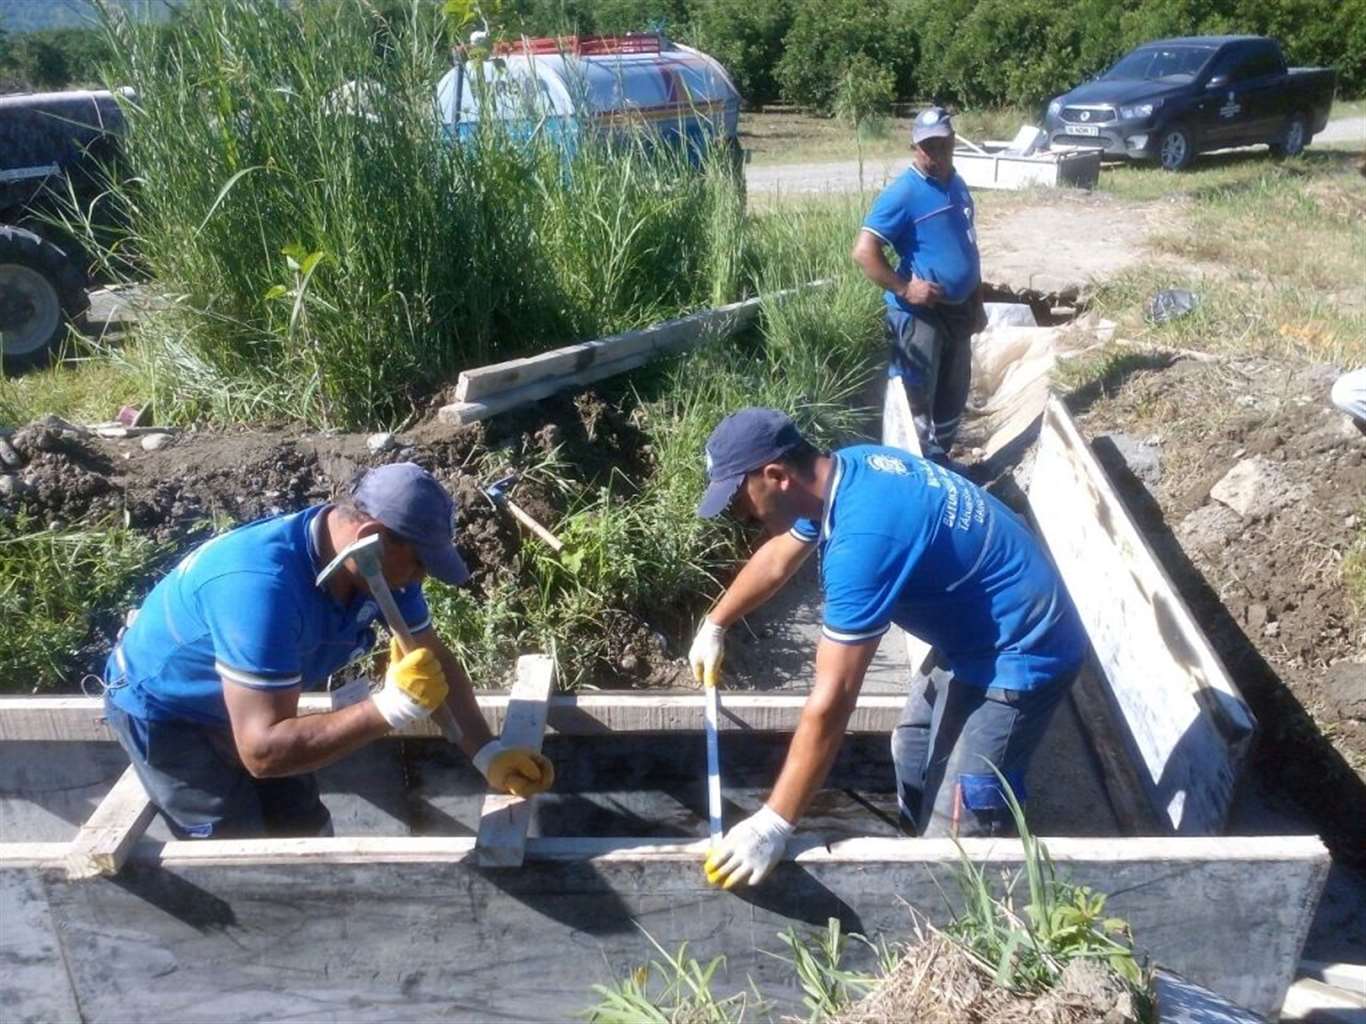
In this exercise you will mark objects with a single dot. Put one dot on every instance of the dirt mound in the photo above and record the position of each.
(200, 482)
(936, 982)
(1256, 496)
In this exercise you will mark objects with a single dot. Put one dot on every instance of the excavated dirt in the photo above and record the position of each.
(1251, 489)
(202, 481)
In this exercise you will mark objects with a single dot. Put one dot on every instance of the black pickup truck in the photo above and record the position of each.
(1174, 98)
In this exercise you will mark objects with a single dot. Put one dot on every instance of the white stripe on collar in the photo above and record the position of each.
(830, 501)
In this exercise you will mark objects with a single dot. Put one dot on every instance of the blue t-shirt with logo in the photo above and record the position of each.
(244, 607)
(931, 227)
(906, 541)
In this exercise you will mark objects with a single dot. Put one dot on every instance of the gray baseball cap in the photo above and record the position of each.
(409, 500)
(931, 123)
(742, 442)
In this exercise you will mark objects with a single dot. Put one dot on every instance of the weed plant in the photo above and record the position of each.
(56, 587)
(329, 255)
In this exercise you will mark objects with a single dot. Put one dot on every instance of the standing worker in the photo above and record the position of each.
(934, 296)
(203, 686)
(902, 540)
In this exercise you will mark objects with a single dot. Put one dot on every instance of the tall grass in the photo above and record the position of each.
(331, 255)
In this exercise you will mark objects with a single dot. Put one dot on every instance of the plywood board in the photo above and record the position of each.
(313, 931)
(80, 719)
(1189, 728)
(504, 818)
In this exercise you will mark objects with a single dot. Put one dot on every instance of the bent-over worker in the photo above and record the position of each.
(934, 296)
(901, 540)
(203, 686)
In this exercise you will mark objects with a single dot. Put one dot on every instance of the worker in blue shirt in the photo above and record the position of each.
(934, 295)
(203, 686)
(901, 540)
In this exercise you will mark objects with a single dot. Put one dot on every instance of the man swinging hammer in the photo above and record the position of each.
(203, 686)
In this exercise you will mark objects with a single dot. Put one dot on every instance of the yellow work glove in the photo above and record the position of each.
(750, 850)
(707, 651)
(414, 686)
(514, 770)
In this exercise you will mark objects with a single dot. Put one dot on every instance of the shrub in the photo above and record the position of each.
(827, 35)
(747, 38)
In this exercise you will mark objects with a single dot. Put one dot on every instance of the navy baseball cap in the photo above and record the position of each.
(409, 500)
(931, 123)
(742, 442)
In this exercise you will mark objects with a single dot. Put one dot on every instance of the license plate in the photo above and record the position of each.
(1082, 129)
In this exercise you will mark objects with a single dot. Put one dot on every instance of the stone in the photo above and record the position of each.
(8, 456)
(1256, 616)
(1256, 486)
(1143, 460)
(11, 486)
(1210, 527)
(156, 442)
(380, 443)
(1271, 630)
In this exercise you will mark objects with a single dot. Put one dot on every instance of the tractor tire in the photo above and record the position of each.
(1294, 137)
(42, 291)
(1176, 149)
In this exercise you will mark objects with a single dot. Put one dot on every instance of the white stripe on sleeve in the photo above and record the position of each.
(250, 679)
(853, 638)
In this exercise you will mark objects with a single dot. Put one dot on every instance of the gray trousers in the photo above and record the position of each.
(932, 352)
(950, 736)
(194, 776)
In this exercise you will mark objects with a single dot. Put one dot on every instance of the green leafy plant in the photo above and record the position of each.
(827, 985)
(676, 989)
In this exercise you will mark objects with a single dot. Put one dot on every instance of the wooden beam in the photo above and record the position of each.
(1189, 728)
(504, 818)
(102, 844)
(32, 855)
(80, 719)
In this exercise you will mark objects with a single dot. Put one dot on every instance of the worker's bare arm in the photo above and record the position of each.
(461, 700)
(762, 576)
(868, 254)
(272, 740)
(840, 669)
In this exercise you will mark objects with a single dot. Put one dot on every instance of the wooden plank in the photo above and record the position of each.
(573, 359)
(102, 844)
(79, 719)
(898, 431)
(504, 818)
(1352, 977)
(1189, 728)
(365, 940)
(32, 855)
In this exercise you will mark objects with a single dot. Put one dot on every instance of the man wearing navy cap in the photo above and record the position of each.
(902, 540)
(933, 297)
(203, 686)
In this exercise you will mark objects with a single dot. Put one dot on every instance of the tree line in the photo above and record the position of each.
(971, 53)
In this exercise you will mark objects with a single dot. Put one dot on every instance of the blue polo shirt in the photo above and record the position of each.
(931, 227)
(905, 541)
(244, 607)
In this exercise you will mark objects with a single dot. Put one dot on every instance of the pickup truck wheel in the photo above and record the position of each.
(1294, 138)
(1175, 151)
(41, 290)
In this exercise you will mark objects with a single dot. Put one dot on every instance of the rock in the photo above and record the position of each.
(1142, 459)
(8, 456)
(1271, 630)
(629, 663)
(11, 486)
(1255, 487)
(1210, 527)
(156, 442)
(1256, 616)
(380, 443)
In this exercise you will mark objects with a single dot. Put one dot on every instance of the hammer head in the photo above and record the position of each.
(367, 554)
(497, 490)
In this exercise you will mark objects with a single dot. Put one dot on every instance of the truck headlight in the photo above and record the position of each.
(1055, 108)
(1139, 110)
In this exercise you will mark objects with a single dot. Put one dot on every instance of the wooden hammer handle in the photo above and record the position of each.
(442, 716)
(523, 517)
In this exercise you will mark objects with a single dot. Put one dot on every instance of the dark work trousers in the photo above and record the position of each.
(950, 736)
(194, 776)
(932, 352)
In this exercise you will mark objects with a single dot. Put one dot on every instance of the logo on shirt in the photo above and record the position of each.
(888, 464)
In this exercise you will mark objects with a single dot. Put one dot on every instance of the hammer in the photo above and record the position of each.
(496, 493)
(367, 555)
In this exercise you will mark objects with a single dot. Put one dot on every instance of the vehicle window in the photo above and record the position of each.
(1242, 63)
(1151, 63)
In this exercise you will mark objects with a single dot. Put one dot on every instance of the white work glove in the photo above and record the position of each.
(414, 686)
(749, 851)
(518, 771)
(707, 651)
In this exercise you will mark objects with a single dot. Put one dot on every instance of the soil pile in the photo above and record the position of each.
(64, 475)
(1251, 489)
